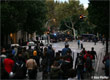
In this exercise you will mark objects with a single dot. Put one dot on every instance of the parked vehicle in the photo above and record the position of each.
(88, 37)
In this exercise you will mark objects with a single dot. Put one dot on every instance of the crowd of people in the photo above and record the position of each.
(19, 63)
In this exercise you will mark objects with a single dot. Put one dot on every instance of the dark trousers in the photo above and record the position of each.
(106, 71)
(32, 73)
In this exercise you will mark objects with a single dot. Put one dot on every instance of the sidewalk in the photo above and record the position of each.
(99, 70)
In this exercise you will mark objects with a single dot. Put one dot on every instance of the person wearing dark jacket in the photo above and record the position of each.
(50, 55)
(20, 67)
(64, 50)
(69, 59)
(79, 66)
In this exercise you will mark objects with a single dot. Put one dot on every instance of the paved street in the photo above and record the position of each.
(99, 48)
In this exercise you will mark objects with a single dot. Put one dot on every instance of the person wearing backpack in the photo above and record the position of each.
(93, 53)
(78, 42)
(55, 72)
(19, 67)
(106, 61)
(79, 66)
(51, 56)
(88, 61)
(69, 59)
(44, 64)
(84, 51)
(64, 50)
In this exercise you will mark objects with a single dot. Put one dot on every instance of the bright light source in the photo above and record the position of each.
(55, 34)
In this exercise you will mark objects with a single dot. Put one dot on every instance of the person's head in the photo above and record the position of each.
(12, 47)
(66, 46)
(15, 46)
(88, 52)
(51, 45)
(34, 53)
(45, 49)
(83, 49)
(57, 54)
(3, 51)
(29, 47)
(19, 53)
(92, 48)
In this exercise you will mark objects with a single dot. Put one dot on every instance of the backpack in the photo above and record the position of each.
(79, 61)
(88, 62)
(19, 71)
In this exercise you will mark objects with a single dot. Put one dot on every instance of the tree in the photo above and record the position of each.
(36, 15)
(51, 14)
(69, 13)
(28, 16)
(9, 20)
(97, 12)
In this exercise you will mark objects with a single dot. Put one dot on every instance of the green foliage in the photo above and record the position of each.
(23, 15)
(8, 18)
(35, 16)
(99, 15)
(65, 10)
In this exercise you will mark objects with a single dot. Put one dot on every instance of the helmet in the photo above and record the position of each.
(11, 74)
(34, 53)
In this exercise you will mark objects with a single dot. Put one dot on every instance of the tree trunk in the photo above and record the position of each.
(73, 30)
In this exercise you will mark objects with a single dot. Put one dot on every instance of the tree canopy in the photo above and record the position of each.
(99, 15)
(28, 16)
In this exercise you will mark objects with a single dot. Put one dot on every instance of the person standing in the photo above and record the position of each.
(64, 50)
(78, 42)
(66, 41)
(19, 67)
(81, 44)
(79, 66)
(103, 40)
(32, 68)
(16, 50)
(50, 55)
(69, 59)
(93, 53)
(44, 64)
(8, 64)
(95, 40)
